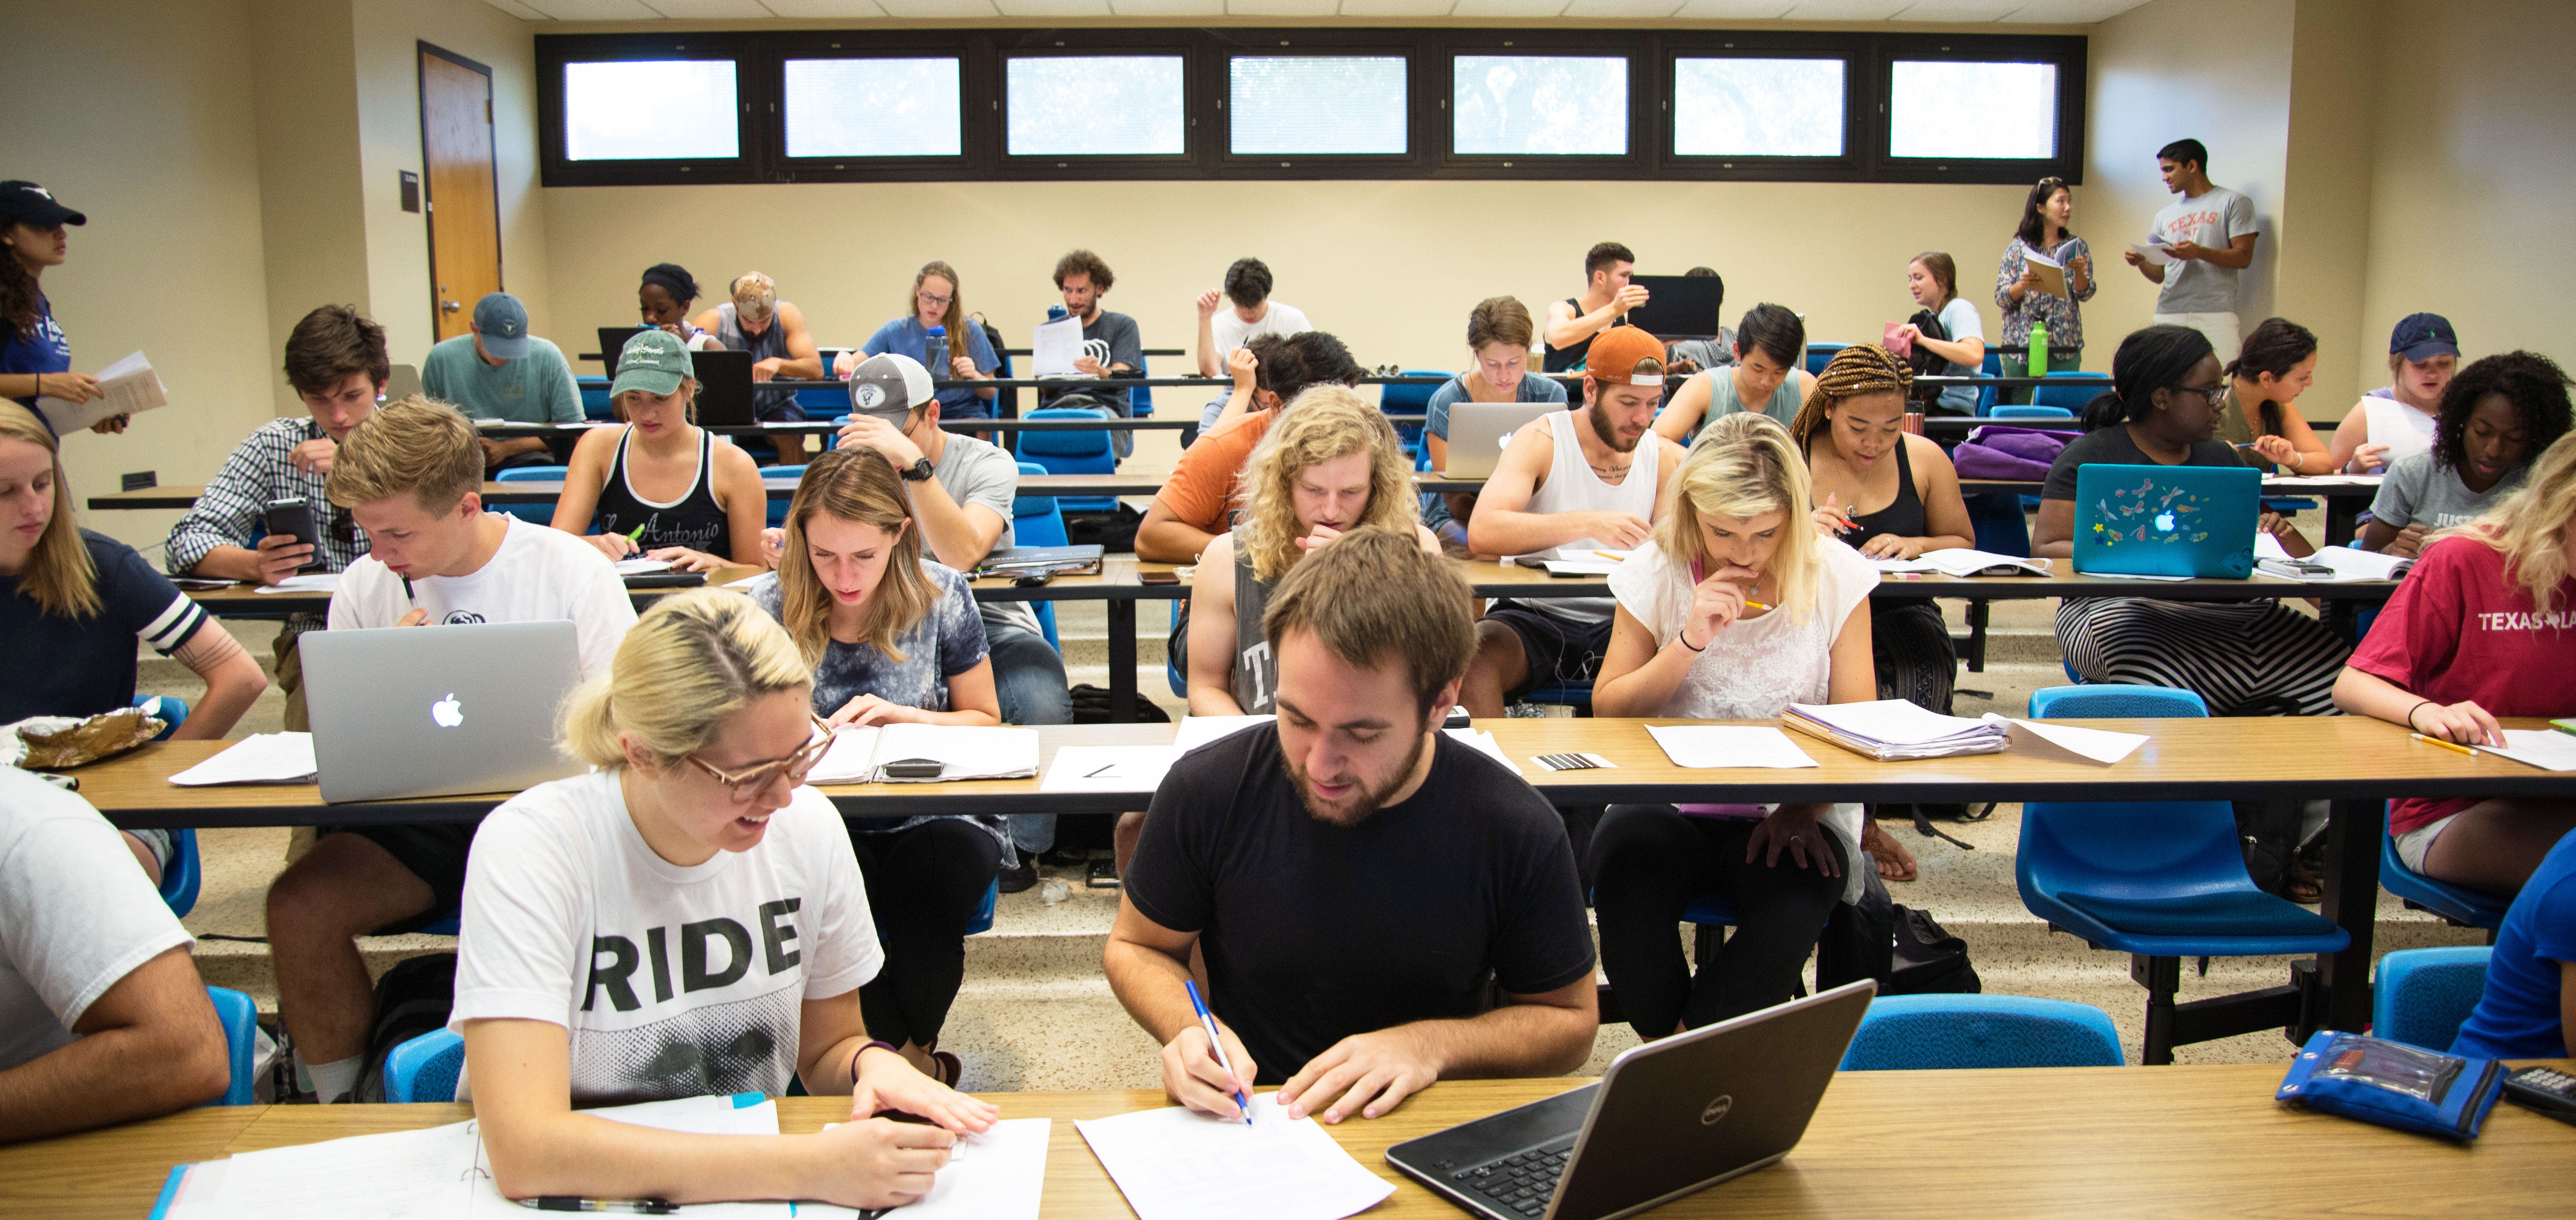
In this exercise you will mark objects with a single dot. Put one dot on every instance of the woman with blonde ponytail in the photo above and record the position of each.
(686, 919)
(1735, 609)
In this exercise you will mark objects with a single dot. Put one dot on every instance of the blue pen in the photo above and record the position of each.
(1207, 1021)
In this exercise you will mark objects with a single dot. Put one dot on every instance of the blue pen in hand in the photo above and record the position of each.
(1207, 1021)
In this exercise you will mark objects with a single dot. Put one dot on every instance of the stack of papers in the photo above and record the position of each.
(1175, 1165)
(1964, 562)
(261, 758)
(1573, 562)
(1197, 731)
(2547, 749)
(1718, 745)
(1893, 729)
(859, 755)
(125, 387)
(2052, 274)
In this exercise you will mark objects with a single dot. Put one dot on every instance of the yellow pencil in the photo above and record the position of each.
(2447, 745)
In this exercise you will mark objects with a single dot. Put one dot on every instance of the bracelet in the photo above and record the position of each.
(1684, 637)
(2410, 715)
(871, 1045)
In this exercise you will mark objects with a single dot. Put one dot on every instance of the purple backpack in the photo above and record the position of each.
(2002, 451)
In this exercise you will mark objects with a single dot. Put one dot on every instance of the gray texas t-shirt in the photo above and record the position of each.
(977, 472)
(2214, 220)
(2417, 489)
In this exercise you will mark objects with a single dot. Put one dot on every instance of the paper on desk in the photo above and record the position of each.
(642, 567)
(1197, 731)
(998, 1175)
(1053, 346)
(1482, 740)
(261, 758)
(1108, 768)
(2089, 745)
(125, 387)
(965, 752)
(1175, 1165)
(1965, 562)
(2547, 749)
(1724, 745)
(305, 582)
(747, 581)
(2156, 254)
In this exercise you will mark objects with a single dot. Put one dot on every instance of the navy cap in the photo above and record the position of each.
(2422, 336)
(23, 202)
(503, 323)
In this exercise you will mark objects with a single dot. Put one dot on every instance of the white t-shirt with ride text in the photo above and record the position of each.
(538, 575)
(2215, 220)
(76, 915)
(671, 981)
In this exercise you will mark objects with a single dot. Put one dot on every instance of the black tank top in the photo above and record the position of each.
(1903, 516)
(694, 520)
(1559, 359)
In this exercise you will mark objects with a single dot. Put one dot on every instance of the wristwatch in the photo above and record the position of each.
(916, 472)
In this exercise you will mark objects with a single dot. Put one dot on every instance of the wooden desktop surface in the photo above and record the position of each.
(2045, 1142)
(1492, 578)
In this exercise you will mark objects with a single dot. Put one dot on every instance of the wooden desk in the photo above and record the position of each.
(2095, 1142)
(1529, 582)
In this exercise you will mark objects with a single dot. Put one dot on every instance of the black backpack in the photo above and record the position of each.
(1921, 360)
(412, 999)
(1901, 947)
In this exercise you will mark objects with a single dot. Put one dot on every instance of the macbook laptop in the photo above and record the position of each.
(1667, 1119)
(1479, 432)
(1680, 306)
(431, 711)
(2166, 520)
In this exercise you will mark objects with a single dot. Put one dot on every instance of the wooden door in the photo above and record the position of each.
(463, 202)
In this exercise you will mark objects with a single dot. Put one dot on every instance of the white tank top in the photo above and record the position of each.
(1572, 487)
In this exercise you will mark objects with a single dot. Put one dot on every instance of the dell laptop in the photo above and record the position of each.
(404, 712)
(1667, 1119)
(2169, 521)
(1480, 431)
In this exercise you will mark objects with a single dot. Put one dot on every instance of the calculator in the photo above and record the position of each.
(2546, 1090)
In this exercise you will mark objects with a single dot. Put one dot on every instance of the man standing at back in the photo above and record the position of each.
(773, 331)
(2209, 235)
(497, 370)
(1607, 298)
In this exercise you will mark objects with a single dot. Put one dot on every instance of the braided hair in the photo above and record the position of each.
(1862, 368)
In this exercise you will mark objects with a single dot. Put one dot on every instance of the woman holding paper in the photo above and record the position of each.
(891, 637)
(1735, 609)
(686, 919)
(36, 358)
(2484, 627)
(2396, 420)
(2025, 296)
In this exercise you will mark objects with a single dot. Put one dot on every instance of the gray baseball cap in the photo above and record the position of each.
(890, 386)
(654, 361)
(503, 323)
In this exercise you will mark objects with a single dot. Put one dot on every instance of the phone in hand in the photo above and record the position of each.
(293, 516)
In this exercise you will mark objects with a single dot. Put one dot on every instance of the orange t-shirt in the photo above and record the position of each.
(1201, 490)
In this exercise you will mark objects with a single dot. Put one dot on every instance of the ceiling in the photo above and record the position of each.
(2047, 12)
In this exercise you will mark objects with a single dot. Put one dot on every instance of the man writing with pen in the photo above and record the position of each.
(1380, 906)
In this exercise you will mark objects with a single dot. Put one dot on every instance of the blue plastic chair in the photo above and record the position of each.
(541, 512)
(2069, 391)
(1172, 675)
(1140, 399)
(1396, 399)
(1917, 1032)
(1991, 366)
(425, 1068)
(240, 1019)
(1576, 694)
(778, 507)
(1036, 521)
(2158, 880)
(2456, 903)
(2023, 411)
(2115, 701)
(1072, 452)
(182, 875)
(2421, 996)
(595, 402)
(1821, 354)
(983, 921)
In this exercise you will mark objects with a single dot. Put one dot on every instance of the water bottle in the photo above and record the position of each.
(934, 353)
(1057, 313)
(2039, 349)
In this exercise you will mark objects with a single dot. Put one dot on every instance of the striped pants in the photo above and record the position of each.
(2232, 654)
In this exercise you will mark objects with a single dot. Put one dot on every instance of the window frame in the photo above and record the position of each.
(893, 44)
(1851, 166)
(1231, 44)
(1644, 96)
(558, 169)
(2071, 81)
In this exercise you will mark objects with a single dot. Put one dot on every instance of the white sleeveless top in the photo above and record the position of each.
(1572, 487)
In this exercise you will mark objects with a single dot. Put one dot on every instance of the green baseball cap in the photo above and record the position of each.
(654, 361)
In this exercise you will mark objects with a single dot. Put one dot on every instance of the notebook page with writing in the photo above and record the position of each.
(1175, 1165)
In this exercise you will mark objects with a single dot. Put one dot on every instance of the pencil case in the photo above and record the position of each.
(2393, 1084)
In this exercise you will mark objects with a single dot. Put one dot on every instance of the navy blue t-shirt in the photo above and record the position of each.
(2519, 1017)
(44, 351)
(56, 666)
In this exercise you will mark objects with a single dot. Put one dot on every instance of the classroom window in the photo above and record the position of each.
(1972, 109)
(873, 108)
(1095, 106)
(1539, 105)
(650, 110)
(1758, 107)
(1316, 105)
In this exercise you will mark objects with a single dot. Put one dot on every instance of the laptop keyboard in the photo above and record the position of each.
(1519, 1184)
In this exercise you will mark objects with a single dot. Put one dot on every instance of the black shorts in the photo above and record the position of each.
(1560, 651)
(433, 852)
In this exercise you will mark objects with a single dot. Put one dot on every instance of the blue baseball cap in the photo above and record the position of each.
(503, 323)
(2422, 336)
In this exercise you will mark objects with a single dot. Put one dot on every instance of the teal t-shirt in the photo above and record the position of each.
(534, 389)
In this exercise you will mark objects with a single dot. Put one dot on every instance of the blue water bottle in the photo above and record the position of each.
(934, 352)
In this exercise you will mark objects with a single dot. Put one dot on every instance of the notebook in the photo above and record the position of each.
(1892, 729)
(859, 755)
(2168, 521)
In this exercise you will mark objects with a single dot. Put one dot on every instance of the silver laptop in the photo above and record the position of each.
(431, 711)
(1667, 1119)
(1480, 431)
(401, 382)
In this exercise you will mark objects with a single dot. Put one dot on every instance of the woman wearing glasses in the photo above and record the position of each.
(685, 920)
(964, 354)
(891, 637)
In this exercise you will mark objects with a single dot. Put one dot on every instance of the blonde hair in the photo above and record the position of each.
(1329, 421)
(853, 483)
(419, 445)
(689, 662)
(59, 577)
(1745, 465)
(2530, 529)
(1375, 595)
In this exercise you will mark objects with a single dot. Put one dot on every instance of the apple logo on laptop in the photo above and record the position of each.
(2165, 522)
(447, 713)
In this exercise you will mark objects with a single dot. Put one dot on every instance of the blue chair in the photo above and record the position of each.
(595, 402)
(2069, 391)
(983, 921)
(778, 507)
(2421, 996)
(2158, 880)
(1397, 399)
(2455, 903)
(2115, 701)
(1036, 521)
(240, 1019)
(1991, 366)
(181, 876)
(1179, 682)
(425, 1068)
(1916, 1032)
(1821, 354)
(541, 512)
(1072, 452)
(172, 710)
(1140, 399)
(1576, 694)
(2022, 411)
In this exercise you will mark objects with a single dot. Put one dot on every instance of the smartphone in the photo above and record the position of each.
(1158, 578)
(914, 768)
(293, 516)
(1032, 580)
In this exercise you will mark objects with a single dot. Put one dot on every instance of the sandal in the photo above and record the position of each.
(2303, 887)
(1894, 862)
(948, 1068)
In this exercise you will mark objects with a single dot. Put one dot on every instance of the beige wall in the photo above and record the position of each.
(315, 245)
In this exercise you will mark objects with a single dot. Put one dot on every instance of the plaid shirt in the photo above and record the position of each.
(231, 510)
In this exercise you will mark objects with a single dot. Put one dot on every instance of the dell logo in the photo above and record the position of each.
(1715, 1110)
(447, 713)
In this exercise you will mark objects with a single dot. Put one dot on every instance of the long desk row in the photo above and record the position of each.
(2095, 1142)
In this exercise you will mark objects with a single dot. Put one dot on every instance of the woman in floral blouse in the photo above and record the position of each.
(2017, 292)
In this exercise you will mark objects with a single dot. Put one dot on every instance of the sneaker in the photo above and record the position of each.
(1017, 877)
(1064, 857)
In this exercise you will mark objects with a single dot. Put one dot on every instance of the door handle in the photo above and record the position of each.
(450, 306)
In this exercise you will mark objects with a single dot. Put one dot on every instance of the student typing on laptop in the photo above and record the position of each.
(411, 476)
(656, 484)
(1448, 877)
(2252, 657)
(1498, 337)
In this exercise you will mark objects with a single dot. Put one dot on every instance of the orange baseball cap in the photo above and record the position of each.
(1625, 355)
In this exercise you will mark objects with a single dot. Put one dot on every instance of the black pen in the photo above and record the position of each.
(572, 1203)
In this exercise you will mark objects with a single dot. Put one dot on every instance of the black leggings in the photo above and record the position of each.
(1649, 860)
(923, 886)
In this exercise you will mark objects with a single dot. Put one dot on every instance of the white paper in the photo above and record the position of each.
(642, 567)
(1175, 1165)
(2302, 481)
(2053, 279)
(305, 582)
(747, 581)
(1482, 740)
(2092, 745)
(2405, 430)
(1719, 745)
(965, 752)
(1894, 721)
(2268, 546)
(1963, 562)
(261, 758)
(1053, 346)
(997, 1175)
(1108, 768)
(2156, 255)
(1196, 731)
(2547, 749)
(2344, 564)
(125, 387)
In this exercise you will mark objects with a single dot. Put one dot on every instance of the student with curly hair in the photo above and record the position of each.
(2494, 416)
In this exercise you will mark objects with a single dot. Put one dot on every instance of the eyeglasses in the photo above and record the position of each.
(2208, 392)
(742, 786)
(935, 302)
